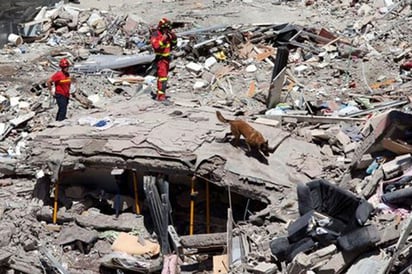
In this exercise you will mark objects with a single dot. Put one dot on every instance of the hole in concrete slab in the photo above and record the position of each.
(98, 188)
(218, 205)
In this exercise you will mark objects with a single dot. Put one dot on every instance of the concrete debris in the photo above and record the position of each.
(127, 183)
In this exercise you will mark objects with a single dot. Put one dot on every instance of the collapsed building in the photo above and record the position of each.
(128, 184)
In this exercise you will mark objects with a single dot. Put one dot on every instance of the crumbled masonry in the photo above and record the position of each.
(127, 184)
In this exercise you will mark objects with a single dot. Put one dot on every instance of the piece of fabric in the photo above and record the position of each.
(304, 245)
(324, 236)
(279, 247)
(170, 264)
(363, 212)
(62, 83)
(162, 66)
(305, 203)
(285, 251)
(398, 184)
(342, 205)
(62, 103)
(360, 238)
(401, 197)
(300, 228)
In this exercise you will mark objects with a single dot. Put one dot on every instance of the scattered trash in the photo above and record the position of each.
(333, 103)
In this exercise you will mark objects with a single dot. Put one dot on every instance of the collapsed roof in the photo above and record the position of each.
(328, 85)
(169, 140)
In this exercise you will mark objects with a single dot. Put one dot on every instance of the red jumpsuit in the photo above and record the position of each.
(162, 44)
(62, 83)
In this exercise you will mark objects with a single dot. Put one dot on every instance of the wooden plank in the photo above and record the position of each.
(275, 90)
(264, 55)
(204, 241)
(175, 239)
(315, 119)
(21, 119)
(229, 237)
(399, 147)
(381, 107)
(268, 122)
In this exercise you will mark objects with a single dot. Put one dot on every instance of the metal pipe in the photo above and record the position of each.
(136, 197)
(192, 205)
(246, 209)
(207, 208)
(55, 204)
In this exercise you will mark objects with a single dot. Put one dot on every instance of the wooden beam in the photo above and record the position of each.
(314, 119)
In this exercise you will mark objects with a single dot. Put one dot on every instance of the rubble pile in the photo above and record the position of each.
(331, 96)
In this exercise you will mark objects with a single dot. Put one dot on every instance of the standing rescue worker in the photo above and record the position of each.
(62, 83)
(163, 40)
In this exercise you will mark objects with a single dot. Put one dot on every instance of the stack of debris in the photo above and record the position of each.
(333, 196)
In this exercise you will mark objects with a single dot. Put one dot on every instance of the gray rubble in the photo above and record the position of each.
(127, 183)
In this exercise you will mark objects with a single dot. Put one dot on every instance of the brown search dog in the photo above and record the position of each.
(253, 137)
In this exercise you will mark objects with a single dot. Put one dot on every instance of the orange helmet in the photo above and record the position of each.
(164, 23)
(64, 63)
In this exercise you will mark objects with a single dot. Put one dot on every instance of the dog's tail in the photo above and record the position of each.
(221, 118)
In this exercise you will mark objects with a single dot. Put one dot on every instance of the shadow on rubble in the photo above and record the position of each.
(255, 153)
(258, 156)
(101, 209)
(106, 270)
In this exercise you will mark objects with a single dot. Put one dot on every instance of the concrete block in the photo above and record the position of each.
(319, 133)
(372, 264)
(251, 68)
(269, 122)
(4, 256)
(302, 262)
(389, 233)
(199, 85)
(312, 168)
(322, 254)
(52, 227)
(372, 183)
(5, 236)
(30, 244)
(194, 67)
(396, 166)
(208, 76)
(210, 62)
(327, 151)
(349, 147)
(364, 162)
(364, 10)
(300, 69)
(343, 138)
(339, 262)
(264, 268)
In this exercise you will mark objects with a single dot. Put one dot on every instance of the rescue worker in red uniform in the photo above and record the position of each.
(62, 82)
(163, 40)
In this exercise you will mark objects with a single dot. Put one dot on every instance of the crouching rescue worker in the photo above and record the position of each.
(163, 40)
(62, 82)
